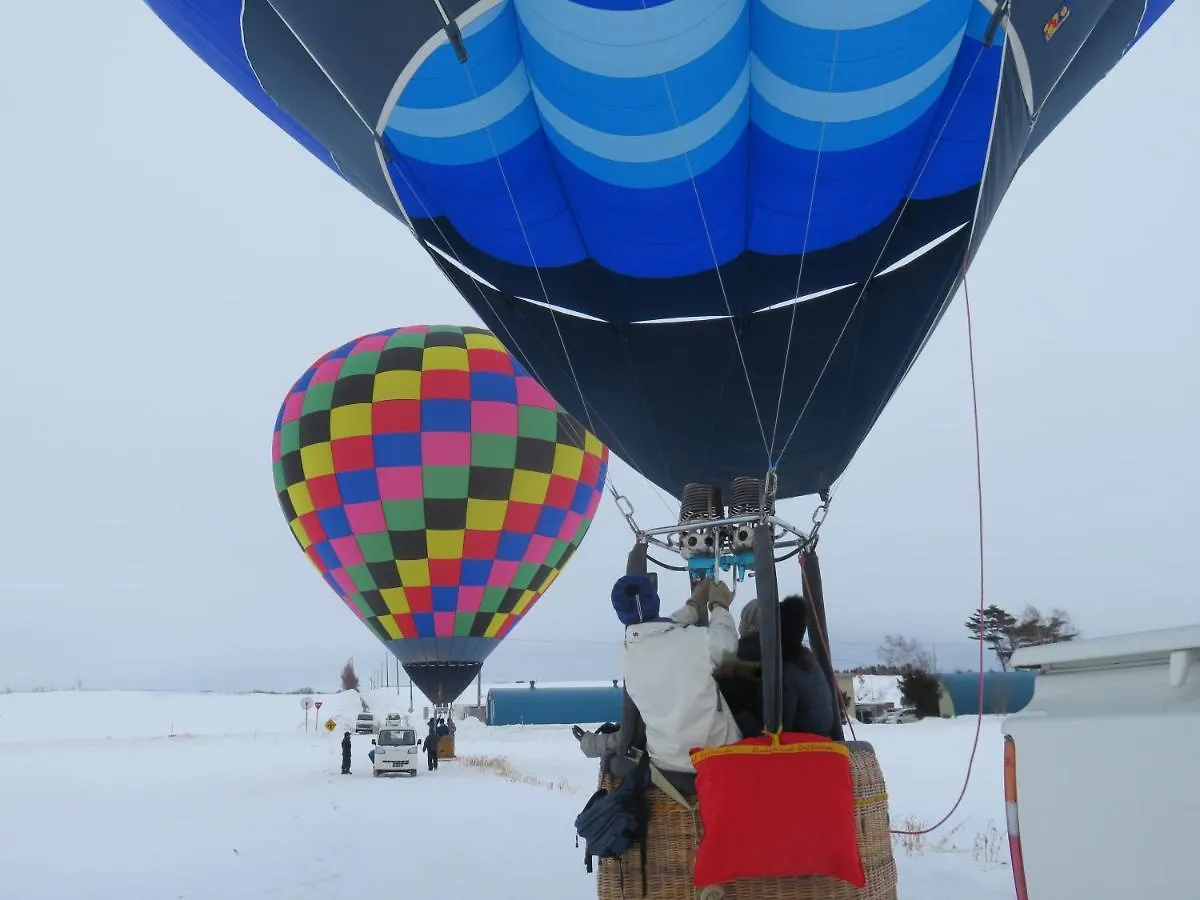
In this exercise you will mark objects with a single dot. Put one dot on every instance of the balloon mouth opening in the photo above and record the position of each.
(442, 682)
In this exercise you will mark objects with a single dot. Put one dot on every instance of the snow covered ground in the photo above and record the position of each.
(158, 796)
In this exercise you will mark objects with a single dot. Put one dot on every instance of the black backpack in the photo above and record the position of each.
(612, 823)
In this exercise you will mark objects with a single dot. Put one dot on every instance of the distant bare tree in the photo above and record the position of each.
(905, 654)
(349, 676)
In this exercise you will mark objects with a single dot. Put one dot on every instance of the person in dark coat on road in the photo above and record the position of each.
(431, 746)
(346, 754)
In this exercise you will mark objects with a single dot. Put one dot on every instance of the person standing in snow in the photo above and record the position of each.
(431, 746)
(346, 754)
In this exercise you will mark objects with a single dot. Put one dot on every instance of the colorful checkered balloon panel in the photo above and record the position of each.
(438, 489)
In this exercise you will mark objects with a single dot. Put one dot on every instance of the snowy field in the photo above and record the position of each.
(157, 796)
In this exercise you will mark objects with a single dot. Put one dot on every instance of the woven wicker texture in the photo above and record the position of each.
(674, 834)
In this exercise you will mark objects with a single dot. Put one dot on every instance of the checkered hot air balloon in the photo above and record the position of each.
(438, 489)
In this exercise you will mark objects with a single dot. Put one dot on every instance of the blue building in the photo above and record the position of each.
(554, 705)
(1003, 693)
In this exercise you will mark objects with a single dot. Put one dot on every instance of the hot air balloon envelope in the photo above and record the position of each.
(679, 211)
(437, 487)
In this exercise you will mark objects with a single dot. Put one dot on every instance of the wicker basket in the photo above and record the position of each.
(674, 835)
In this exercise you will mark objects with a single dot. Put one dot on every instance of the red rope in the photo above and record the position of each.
(979, 505)
(982, 606)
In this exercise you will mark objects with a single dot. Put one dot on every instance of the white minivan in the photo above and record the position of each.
(396, 752)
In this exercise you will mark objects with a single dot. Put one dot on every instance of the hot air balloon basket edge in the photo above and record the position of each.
(674, 833)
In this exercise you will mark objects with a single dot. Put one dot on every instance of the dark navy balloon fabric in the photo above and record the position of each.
(741, 187)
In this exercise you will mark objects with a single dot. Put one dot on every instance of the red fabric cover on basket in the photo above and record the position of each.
(777, 806)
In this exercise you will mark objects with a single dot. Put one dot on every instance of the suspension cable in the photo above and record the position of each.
(982, 593)
(532, 258)
(883, 250)
(812, 202)
(622, 502)
(823, 637)
(712, 249)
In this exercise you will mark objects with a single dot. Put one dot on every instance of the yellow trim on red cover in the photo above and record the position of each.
(776, 746)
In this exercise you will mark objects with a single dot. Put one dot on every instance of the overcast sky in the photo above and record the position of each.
(170, 262)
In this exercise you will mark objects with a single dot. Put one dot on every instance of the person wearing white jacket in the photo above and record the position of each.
(668, 666)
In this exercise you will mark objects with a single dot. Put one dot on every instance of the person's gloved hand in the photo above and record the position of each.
(699, 599)
(578, 732)
(608, 728)
(719, 594)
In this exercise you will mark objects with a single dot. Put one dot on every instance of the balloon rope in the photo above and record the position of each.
(458, 263)
(532, 258)
(712, 249)
(982, 606)
(617, 496)
(882, 251)
(512, 339)
(812, 202)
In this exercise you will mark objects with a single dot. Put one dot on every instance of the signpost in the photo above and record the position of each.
(330, 725)
(306, 704)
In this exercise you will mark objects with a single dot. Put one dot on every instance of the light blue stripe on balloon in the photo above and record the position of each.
(851, 106)
(629, 43)
(861, 59)
(836, 15)
(806, 134)
(640, 105)
(463, 118)
(661, 172)
(441, 80)
(474, 146)
(648, 148)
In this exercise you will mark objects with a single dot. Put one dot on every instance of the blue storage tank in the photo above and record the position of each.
(1003, 693)
(533, 705)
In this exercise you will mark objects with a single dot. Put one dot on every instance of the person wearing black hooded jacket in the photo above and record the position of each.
(809, 706)
(431, 745)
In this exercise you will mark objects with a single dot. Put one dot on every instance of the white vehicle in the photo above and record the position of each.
(364, 724)
(396, 752)
(898, 716)
(395, 720)
(1100, 769)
